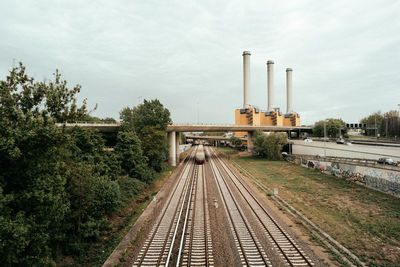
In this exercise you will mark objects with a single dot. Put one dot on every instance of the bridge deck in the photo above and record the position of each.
(114, 127)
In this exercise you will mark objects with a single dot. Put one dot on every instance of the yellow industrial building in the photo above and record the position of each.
(256, 117)
(250, 115)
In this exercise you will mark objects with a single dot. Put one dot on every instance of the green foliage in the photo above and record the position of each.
(332, 127)
(235, 141)
(154, 146)
(375, 119)
(269, 146)
(182, 138)
(149, 120)
(130, 187)
(150, 113)
(56, 184)
(128, 151)
(387, 124)
(100, 120)
(32, 153)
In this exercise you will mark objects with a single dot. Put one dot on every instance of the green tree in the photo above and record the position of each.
(332, 127)
(55, 183)
(150, 113)
(129, 152)
(269, 146)
(149, 120)
(387, 124)
(235, 141)
(375, 119)
(32, 153)
(391, 123)
(89, 118)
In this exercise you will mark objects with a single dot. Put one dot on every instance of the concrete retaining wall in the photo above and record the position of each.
(387, 181)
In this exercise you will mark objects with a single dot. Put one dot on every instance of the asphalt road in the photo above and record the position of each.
(350, 151)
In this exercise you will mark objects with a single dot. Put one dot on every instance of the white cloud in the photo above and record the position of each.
(344, 54)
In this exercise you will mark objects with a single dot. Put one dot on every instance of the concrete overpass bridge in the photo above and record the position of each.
(173, 131)
(210, 137)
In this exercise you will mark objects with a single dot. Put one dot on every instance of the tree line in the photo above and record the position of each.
(387, 124)
(267, 146)
(383, 124)
(58, 185)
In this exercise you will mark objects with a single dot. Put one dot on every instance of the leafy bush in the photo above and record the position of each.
(269, 146)
(57, 184)
(149, 121)
(130, 187)
(129, 152)
(235, 141)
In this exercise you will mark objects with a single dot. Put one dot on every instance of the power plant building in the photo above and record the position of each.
(251, 115)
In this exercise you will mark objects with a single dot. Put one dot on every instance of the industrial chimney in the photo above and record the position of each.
(289, 72)
(270, 82)
(246, 79)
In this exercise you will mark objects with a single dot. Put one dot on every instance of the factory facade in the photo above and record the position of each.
(251, 115)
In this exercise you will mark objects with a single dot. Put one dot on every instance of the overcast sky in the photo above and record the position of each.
(345, 55)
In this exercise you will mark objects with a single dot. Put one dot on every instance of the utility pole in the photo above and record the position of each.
(325, 137)
(376, 135)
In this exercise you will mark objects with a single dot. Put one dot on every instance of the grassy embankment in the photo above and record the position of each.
(136, 197)
(364, 220)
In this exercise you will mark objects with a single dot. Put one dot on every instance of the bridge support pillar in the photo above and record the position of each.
(177, 151)
(172, 148)
(250, 145)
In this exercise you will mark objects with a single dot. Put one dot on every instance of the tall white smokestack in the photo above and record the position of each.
(246, 79)
(270, 76)
(289, 72)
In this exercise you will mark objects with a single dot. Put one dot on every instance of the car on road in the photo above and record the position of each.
(307, 140)
(340, 141)
(386, 161)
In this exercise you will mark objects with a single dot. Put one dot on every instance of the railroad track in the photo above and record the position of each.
(336, 248)
(156, 250)
(186, 211)
(250, 250)
(283, 244)
(198, 249)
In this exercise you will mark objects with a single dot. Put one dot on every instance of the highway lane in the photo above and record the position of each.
(340, 150)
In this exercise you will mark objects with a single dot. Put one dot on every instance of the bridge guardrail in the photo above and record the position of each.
(350, 161)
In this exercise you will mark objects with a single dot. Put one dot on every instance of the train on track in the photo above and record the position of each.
(200, 157)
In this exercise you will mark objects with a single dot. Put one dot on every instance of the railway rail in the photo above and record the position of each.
(286, 247)
(198, 248)
(181, 234)
(249, 248)
(339, 250)
(156, 250)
